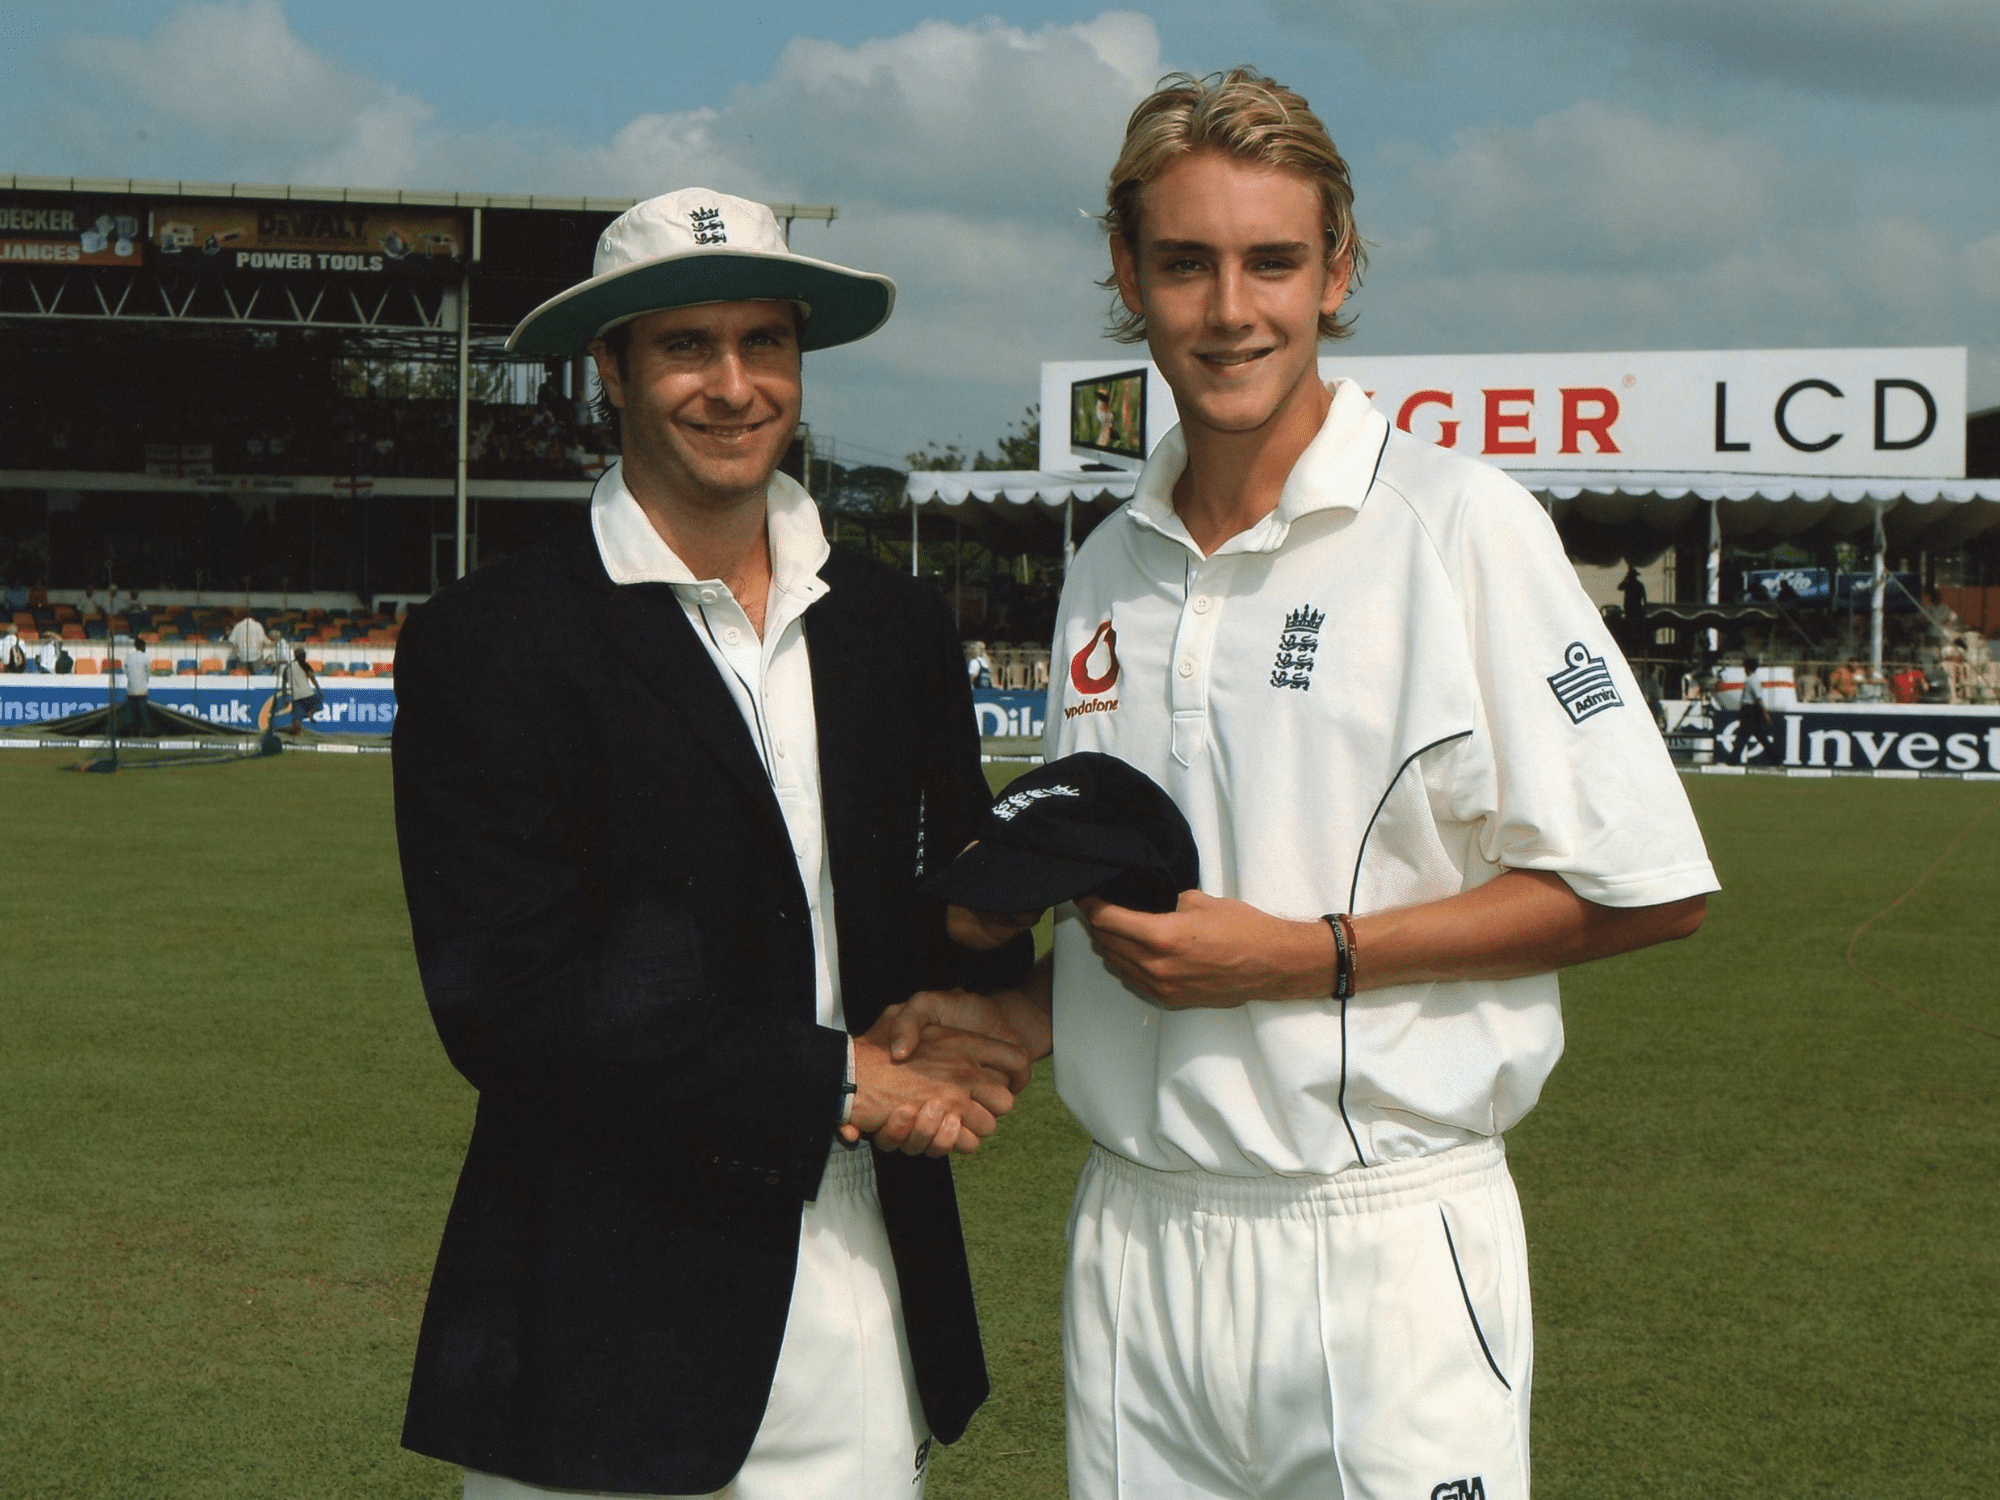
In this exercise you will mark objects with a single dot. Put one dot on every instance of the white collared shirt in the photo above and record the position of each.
(769, 679)
(1385, 692)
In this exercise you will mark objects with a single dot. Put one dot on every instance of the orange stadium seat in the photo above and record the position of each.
(210, 665)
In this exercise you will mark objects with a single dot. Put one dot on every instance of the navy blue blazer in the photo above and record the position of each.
(615, 946)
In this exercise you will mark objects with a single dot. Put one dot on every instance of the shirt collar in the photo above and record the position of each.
(1335, 472)
(633, 552)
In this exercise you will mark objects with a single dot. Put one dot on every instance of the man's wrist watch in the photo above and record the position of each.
(849, 1088)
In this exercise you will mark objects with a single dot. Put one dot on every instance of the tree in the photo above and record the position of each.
(1020, 447)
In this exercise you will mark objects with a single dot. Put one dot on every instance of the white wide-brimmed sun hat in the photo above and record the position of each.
(699, 246)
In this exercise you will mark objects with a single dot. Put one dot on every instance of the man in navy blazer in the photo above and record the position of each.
(662, 888)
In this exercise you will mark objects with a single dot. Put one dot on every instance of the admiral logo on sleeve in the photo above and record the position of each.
(1584, 685)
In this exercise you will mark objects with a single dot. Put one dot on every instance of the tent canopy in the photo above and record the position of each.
(1769, 508)
(1613, 513)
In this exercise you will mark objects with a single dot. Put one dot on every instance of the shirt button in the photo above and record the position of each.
(1201, 604)
(732, 635)
(709, 596)
(1187, 669)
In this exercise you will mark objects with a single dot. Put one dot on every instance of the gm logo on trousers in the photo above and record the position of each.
(1461, 1489)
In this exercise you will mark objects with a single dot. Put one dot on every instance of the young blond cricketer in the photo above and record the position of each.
(1422, 780)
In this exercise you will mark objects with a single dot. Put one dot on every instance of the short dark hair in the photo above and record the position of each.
(618, 339)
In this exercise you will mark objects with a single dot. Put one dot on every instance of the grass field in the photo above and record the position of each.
(1759, 1192)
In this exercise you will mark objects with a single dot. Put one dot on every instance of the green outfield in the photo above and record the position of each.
(1759, 1192)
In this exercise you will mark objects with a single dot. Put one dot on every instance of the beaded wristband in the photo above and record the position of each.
(1344, 949)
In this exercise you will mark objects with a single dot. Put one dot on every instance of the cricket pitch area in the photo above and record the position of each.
(1759, 1188)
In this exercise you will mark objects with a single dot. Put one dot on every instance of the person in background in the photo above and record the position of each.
(88, 606)
(13, 659)
(1907, 686)
(1842, 683)
(1755, 716)
(247, 642)
(978, 668)
(1633, 588)
(303, 687)
(138, 687)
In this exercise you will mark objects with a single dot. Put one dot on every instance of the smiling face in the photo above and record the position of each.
(1231, 277)
(708, 398)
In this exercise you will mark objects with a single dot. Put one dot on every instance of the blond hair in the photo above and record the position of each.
(1242, 114)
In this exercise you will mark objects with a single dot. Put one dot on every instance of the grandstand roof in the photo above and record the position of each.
(265, 192)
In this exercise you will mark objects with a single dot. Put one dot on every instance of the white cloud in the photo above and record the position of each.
(1926, 51)
(237, 72)
(959, 155)
(1599, 227)
(1597, 186)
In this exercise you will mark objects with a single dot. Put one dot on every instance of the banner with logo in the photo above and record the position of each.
(1008, 714)
(1876, 413)
(1845, 737)
(350, 705)
(53, 231)
(366, 238)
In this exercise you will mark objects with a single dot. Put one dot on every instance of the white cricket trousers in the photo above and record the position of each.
(843, 1421)
(1359, 1337)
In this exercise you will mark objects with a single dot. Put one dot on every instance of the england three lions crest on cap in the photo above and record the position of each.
(1584, 687)
(708, 226)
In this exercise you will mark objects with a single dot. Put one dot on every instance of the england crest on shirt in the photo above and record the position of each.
(1298, 649)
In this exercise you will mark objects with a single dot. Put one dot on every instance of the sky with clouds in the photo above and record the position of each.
(1532, 174)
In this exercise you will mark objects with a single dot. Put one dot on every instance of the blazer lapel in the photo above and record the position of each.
(842, 645)
(645, 624)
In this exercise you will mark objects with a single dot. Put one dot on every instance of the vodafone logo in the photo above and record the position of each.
(1081, 677)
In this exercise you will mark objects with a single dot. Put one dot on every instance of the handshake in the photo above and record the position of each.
(936, 1072)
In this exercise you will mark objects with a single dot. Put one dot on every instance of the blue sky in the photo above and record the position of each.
(1534, 174)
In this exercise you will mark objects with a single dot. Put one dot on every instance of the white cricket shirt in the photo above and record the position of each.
(1386, 692)
(769, 679)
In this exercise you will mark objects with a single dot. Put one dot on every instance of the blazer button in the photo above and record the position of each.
(772, 1179)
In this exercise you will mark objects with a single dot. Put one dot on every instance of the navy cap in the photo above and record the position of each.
(1085, 825)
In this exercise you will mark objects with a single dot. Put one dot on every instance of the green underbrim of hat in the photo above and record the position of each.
(846, 305)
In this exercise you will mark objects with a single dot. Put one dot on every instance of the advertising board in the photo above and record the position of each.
(1915, 740)
(1008, 714)
(1853, 413)
(358, 238)
(1783, 585)
(44, 230)
(360, 705)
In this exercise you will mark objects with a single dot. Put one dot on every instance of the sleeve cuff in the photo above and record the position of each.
(847, 1088)
(1651, 888)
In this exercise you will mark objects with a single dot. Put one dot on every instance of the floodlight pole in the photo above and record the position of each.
(1876, 596)
(1714, 568)
(464, 367)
